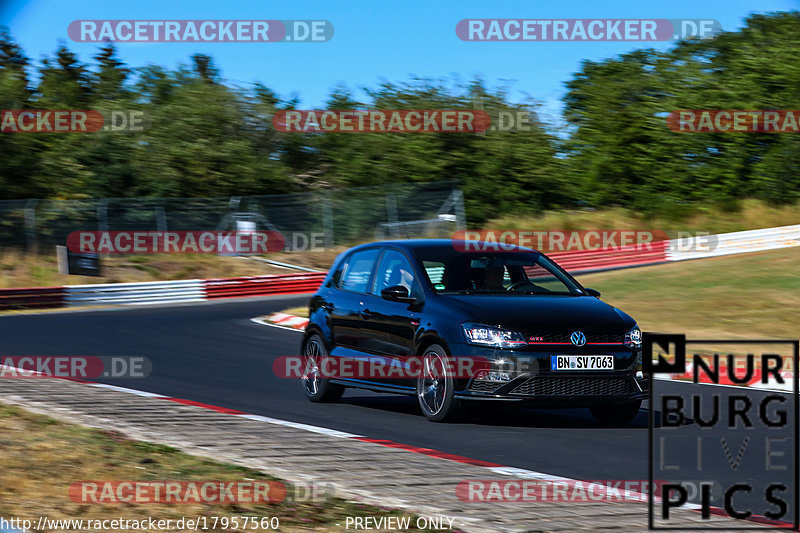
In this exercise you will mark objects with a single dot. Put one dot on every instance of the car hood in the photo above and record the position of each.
(532, 314)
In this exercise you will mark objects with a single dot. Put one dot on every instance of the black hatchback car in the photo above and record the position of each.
(454, 325)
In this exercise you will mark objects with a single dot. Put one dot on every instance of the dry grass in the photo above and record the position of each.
(750, 215)
(42, 457)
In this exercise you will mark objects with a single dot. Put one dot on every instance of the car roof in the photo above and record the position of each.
(416, 244)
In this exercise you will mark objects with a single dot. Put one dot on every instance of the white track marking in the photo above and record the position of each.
(264, 323)
(125, 389)
(539, 476)
(297, 425)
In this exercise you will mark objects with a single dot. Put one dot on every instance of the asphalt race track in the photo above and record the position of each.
(213, 353)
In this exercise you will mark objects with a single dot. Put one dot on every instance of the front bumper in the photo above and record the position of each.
(532, 380)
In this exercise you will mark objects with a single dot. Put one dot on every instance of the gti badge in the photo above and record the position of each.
(577, 338)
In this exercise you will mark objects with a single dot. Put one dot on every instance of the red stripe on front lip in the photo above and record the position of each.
(587, 344)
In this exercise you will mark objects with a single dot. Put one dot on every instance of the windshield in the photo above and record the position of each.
(452, 271)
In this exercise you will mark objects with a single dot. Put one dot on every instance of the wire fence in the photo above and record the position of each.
(333, 216)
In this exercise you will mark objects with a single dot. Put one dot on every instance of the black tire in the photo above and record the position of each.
(618, 413)
(317, 388)
(436, 387)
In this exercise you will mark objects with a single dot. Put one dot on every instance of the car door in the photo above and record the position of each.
(389, 327)
(346, 306)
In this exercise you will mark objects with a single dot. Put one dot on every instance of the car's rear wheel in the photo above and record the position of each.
(616, 413)
(436, 387)
(316, 387)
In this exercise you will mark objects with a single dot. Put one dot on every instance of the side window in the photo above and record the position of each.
(395, 270)
(356, 274)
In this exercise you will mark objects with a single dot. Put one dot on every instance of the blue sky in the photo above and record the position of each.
(374, 40)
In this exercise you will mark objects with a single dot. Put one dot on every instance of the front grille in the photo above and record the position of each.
(484, 386)
(575, 386)
(591, 336)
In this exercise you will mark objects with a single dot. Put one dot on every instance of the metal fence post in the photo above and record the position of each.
(102, 214)
(161, 218)
(391, 213)
(30, 225)
(327, 220)
(461, 213)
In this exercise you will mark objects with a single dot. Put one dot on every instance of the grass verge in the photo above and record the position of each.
(747, 214)
(42, 457)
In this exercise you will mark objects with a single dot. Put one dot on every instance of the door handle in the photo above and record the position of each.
(366, 313)
(328, 306)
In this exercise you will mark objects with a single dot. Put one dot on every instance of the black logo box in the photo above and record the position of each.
(678, 366)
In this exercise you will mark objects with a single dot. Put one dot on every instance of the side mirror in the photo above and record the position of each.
(593, 292)
(397, 293)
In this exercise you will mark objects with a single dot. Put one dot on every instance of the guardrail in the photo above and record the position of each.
(31, 298)
(192, 290)
(734, 243)
(626, 256)
(697, 247)
(263, 285)
(158, 292)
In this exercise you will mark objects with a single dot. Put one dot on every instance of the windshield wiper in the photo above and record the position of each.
(475, 291)
(550, 293)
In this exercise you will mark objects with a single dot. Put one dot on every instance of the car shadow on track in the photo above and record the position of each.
(500, 415)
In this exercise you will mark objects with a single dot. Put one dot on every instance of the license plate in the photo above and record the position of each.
(581, 362)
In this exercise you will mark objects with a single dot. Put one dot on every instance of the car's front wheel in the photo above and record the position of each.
(436, 387)
(316, 387)
(616, 413)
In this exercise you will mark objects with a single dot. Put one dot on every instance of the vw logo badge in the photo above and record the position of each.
(577, 338)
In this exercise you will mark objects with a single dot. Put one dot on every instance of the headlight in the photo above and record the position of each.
(489, 336)
(633, 339)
